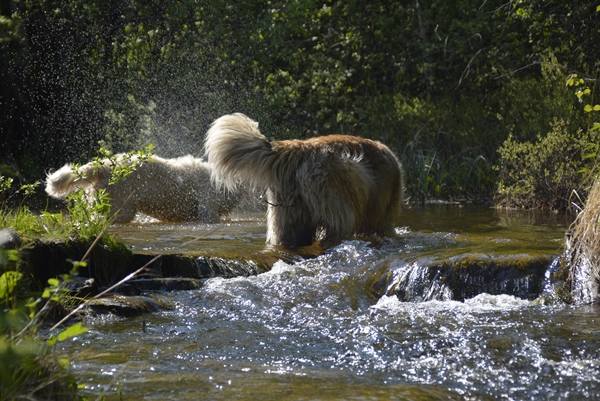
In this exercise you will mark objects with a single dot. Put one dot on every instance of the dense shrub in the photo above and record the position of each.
(443, 83)
(545, 173)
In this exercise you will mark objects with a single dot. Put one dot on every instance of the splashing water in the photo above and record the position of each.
(313, 330)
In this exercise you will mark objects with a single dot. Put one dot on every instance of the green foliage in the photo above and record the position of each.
(7, 192)
(545, 173)
(36, 371)
(460, 75)
(126, 165)
(86, 218)
(583, 92)
(433, 175)
(72, 331)
(31, 371)
(8, 284)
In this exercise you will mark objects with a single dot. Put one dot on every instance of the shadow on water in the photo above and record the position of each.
(312, 329)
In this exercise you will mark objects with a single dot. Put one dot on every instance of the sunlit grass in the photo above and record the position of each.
(60, 226)
(32, 225)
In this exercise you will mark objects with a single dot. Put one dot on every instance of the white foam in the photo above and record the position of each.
(500, 301)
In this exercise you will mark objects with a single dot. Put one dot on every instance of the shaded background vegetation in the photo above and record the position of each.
(454, 88)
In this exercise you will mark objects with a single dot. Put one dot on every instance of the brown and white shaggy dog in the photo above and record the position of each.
(326, 188)
(175, 190)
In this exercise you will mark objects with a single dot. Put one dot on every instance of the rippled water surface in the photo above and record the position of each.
(311, 330)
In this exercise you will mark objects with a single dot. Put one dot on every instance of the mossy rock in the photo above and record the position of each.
(199, 267)
(43, 259)
(166, 284)
(126, 306)
(110, 262)
(464, 277)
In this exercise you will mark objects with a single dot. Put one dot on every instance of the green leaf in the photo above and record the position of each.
(8, 282)
(598, 9)
(597, 107)
(32, 303)
(72, 331)
(64, 363)
(51, 340)
(587, 108)
(53, 282)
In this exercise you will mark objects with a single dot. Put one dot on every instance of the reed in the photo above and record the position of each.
(582, 252)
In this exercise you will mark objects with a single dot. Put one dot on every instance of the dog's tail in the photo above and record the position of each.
(238, 152)
(65, 181)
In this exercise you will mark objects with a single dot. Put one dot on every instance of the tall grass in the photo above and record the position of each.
(583, 250)
(432, 175)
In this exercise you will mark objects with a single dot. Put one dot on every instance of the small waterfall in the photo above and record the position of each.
(466, 276)
(583, 273)
(414, 282)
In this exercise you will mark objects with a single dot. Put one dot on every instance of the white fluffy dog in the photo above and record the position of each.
(175, 190)
(326, 188)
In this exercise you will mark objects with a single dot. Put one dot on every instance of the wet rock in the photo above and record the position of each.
(125, 306)
(198, 267)
(83, 287)
(465, 277)
(166, 284)
(9, 239)
(44, 259)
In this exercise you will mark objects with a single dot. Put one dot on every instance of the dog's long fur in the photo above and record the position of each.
(326, 188)
(175, 190)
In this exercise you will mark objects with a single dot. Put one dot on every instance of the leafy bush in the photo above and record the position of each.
(544, 174)
(35, 371)
(30, 372)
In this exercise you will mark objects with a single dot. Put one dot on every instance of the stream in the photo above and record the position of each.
(313, 328)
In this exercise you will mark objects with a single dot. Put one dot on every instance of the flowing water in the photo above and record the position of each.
(311, 329)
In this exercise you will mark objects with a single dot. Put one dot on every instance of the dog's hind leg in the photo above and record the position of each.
(288, 224)
(338, 223)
